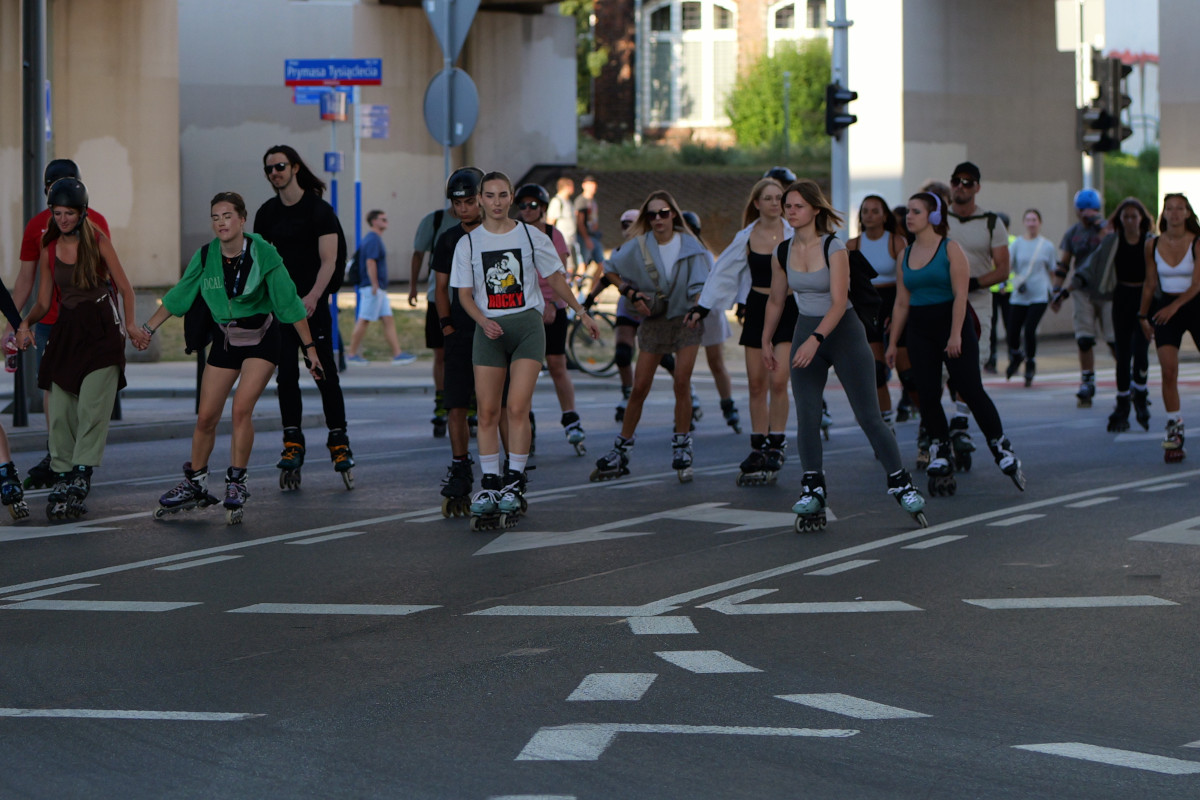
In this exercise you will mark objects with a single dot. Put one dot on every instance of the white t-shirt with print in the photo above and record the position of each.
(503, 268)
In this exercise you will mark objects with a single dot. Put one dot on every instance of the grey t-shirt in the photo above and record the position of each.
(812, 288)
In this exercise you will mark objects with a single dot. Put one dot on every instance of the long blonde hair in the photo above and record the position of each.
(751, 213)
(86, 271)
(642, 224)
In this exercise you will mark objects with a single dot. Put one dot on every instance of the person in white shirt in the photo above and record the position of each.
(1032, 260)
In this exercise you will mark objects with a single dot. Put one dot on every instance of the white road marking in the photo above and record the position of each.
(1119, 601)
(1192, 744)
(198, 563)
(1017, 520)
(736, 604)
(329, 608)
(844, 567)
(588, 741)
(624, 686)
(47, 592)
(1117, 758)
(1140, 436)
(20, 533)
(94, 605)
(849, 706)
(647, 626)
(1095, 501)
(533, 797)
(1162, 487)
(705, 662)
(934, 542)
(329, 537)
(648, 610)
(1185, 531)
(99, 713)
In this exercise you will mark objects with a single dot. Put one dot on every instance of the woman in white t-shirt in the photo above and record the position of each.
(496, 269)
(1032, 259)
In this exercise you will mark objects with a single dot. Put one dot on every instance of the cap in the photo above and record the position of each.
(630, 216)
(968, 169)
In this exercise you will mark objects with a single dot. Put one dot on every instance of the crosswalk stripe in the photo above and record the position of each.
(1114, 757)
(705, 661)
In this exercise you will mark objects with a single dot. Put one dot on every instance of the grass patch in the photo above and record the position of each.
(690, 156)
(1137, 176)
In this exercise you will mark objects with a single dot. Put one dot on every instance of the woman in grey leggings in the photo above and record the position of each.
(814, 265)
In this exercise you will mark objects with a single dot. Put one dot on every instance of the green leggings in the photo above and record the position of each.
(79, 423)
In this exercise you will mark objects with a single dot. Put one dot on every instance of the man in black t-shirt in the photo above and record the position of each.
(306, 232)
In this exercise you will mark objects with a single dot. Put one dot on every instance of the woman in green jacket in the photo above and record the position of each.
(249, 293)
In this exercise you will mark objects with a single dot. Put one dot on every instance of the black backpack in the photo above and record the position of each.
(864, 297)
(353, 271)
(335, 282)
(198, 321)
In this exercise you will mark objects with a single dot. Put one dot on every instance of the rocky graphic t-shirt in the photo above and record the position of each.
(503, 268)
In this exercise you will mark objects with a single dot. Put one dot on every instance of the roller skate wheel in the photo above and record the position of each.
(508, 521)
(686, 475)
(475, 521)
(19, 510)
(348, 478)
(162, 513)
(233, 516)
(289, 480)
(920, 519)
(580, 450)
(448, 508)
(962, 462)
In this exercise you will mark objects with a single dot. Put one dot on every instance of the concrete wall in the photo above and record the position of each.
(234, 104)
(11, 222)
(1179, 96)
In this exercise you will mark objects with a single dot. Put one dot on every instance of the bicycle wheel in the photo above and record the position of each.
(594, 356)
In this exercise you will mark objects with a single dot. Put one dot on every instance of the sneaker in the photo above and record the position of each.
(356, 359)
(403, 358)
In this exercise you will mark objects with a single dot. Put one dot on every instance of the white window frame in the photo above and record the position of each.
(707, 115)
(800, 32)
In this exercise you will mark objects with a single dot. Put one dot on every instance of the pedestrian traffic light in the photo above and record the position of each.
(837, 117)
(1099, 127)
(1115, 99)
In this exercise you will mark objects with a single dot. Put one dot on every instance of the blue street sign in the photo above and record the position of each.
(311, 95)
(333, 72)
(333, 162)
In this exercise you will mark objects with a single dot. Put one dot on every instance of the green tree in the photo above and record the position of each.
(589, 59)
(755, 106)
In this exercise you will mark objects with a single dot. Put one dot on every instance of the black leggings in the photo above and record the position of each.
(320, 325)
(928, 330)
(1131, 344)
(1024, 319)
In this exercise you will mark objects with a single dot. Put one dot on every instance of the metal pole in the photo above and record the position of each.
(448, 69)
(33, 162)
(787, 114)
(839, 151)
(358, 215)
(1083, 76)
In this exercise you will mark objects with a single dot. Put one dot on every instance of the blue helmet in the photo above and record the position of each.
(1088, 199)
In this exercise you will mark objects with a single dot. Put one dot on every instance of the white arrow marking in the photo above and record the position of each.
(648, 610)
(735, 604)
(1117, 758)
(329, 608)
(94, 605)
(97, 713)
(625, 686)
(16, 534)
(849, 706)
(588, 741)
(1183, 532)
(705, 662)
(1123, 601)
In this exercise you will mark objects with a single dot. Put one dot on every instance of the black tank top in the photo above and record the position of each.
(1130, 261)
(760, 269)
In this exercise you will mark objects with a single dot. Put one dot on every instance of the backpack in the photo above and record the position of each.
(336, 280)
(864, 297)
(353, 270)
(198, 321)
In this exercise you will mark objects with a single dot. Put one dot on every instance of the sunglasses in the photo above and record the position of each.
(530, 205)
(626, 223)
(280, 167)
(966, 183)
(662, 213)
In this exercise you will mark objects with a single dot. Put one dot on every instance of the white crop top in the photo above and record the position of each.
(1176, 279)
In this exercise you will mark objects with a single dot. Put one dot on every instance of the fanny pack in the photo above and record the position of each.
(659, 302)
(240, 334)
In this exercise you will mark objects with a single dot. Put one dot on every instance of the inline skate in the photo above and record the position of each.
(826, 419)
(1087, 390)
(775, 452)
(77, 491)
(904, 409)
(681, 452)
(1118, 420)
(923, 448)
(236, 494)
(341, 456)
(574, 432)
(810, 508)
(616, 463)
(485, 505)
(40, 476)
(1172, 445)
(900, 486)
(1007, 460)
(57, 500)
(291, 459)
(512, 504)
(960, 444)
(1015, 359)
(941, 469)
(439, 415)
(754, 468)
(456, 488)
(625, 392)
(11, 493)
(1141, 407)
(1030, 371)
(697, 411)
(732, 419)
(190, 493)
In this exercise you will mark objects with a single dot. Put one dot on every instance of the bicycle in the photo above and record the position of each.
(593, 356)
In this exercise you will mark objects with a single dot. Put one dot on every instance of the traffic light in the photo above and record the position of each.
(1098, 126)
(837, 117)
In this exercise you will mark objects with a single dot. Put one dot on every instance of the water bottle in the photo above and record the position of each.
(11, 353)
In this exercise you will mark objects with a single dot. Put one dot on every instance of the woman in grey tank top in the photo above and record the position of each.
(814, 265)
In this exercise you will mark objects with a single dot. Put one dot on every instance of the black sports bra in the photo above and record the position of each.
(760, 269)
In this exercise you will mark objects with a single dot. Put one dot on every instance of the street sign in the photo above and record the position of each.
(311, 95)
(450, 20)
(333, 72)
(452, 100)
(374, 121)
(333, 161)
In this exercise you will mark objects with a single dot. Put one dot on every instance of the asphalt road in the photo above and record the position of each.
(640, 638)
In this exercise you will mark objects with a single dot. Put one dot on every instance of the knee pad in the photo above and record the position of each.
(668, 362)
(1085, 343)
(906, 380)
(624, 355)
(881, 374)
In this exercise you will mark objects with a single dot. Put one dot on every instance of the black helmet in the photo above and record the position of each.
(782, 174)
(68, 192)
(463, 182)
(534, 191)
(693, 220)
(57, 169)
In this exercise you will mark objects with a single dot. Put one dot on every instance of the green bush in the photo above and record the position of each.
(1136, 176)
(755, 106)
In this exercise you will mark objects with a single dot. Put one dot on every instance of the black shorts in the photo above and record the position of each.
(221, 354)
(1186, 319)
(459, 382)
(756, 312)
(556, 334)
(433, 331)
